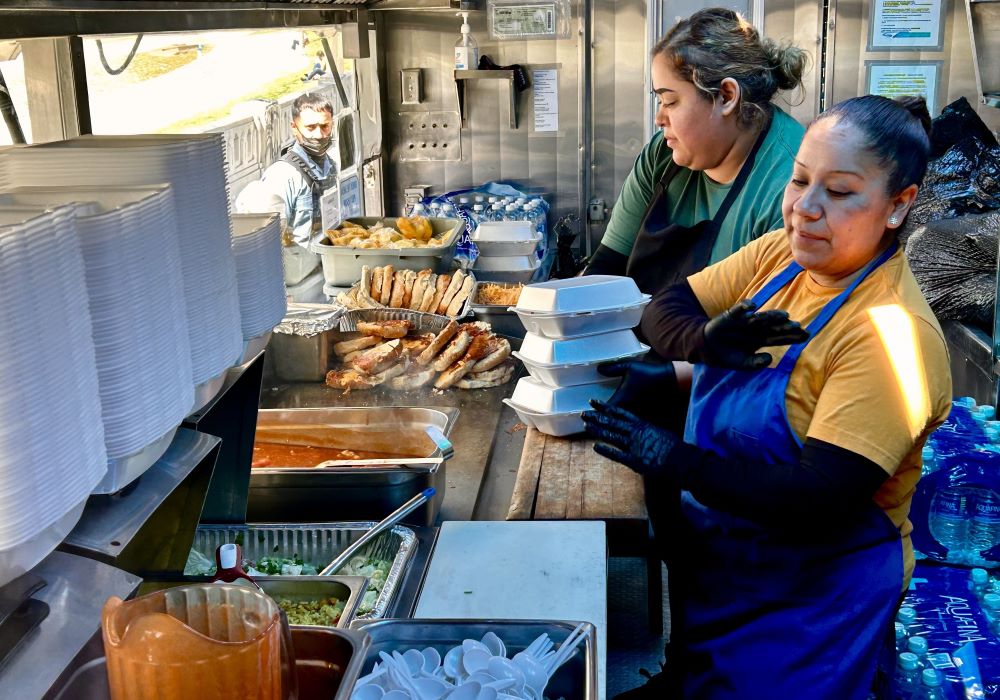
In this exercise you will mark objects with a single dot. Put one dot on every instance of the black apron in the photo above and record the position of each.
(666, 253)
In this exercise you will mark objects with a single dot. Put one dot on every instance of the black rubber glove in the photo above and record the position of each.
(640, 446)
(648, 389)
(733, 338)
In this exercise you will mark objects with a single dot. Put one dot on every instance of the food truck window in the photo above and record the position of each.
(14, 122)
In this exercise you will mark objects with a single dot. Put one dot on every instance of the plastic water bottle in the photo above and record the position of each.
(931, 685)
(927, 460)
(496, 212)
(979, 583)
(901, 637)
(907, 675)
(984, 527)
(991, 609)
(918, 647)
(480, 199)
(983, 413)
(907, 616)
(510, 212)
(947, 521)
(478, 215)
(435, 208)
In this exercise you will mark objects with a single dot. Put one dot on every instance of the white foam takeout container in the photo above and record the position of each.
(573, 361)
(506, 238)
(580, 294)
(556, 410)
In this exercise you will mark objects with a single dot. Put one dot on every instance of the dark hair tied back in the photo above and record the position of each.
(718, 43)
(896, 131)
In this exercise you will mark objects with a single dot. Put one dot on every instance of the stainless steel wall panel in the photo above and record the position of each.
(801, 24)
(620, 85)
(848, 51)
(539, 162)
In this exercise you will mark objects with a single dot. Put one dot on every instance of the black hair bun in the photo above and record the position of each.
(917, 107)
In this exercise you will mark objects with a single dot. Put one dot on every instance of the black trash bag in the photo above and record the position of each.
(957, 122)
(965, 180)
(955, 264)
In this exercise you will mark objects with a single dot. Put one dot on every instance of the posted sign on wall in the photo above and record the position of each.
(906, 25)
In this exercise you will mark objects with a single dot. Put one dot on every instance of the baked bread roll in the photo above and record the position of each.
(385, 329)
(346, 347)
(386, 289)
(490, 378)
(455, 307)
(412, 380)
(419, 289)
(438, 344)
(453, 288)
(455, 351)
(409, 277)
(398, 287)
(425, 305)
(497, 351)
(379, 357)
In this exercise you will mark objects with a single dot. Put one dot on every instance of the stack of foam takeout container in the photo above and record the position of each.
(507, 251)
(52, 451)
(573, 326)
(259, 278)
(137, 311)
(195, 166)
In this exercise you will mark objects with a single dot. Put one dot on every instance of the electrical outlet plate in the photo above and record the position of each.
(429, 136)
(412, 91)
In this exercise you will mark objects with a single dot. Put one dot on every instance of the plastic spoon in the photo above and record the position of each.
(393, 518)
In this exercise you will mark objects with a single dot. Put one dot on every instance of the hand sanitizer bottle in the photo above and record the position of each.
(466, 49)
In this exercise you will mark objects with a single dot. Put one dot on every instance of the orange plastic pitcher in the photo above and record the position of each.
(205, 641)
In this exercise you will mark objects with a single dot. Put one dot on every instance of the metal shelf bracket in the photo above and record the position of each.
(462, 76)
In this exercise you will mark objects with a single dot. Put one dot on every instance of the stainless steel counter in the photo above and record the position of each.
(474, 434)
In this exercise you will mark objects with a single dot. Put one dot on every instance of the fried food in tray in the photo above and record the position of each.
(463, 356)
(409, 232)
(496, 294)
(381, 287)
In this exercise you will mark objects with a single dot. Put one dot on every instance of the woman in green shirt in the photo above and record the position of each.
(711, 179)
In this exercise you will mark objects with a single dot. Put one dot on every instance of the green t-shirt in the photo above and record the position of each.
(694, 197)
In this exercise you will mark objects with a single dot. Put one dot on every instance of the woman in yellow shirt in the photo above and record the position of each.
(791, 549)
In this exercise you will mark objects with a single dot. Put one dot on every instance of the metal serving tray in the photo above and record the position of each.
(422, 321)
(577, 679)
(327, 663)
(350, 589)
(499, 316)
(317, 544)
(353, 492)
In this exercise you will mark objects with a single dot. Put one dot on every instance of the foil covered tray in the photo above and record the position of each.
(421, 321)
(318, 545)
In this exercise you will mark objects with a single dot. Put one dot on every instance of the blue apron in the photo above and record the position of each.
(776, 613)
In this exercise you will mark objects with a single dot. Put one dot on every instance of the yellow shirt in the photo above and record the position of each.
(876, 380)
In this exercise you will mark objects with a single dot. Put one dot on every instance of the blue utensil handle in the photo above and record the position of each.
(440, 441)
(429, 492)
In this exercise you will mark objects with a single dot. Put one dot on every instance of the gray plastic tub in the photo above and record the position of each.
(342, 265)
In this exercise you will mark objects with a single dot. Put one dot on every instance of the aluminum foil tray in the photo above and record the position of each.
(317, 544)
(421, 321)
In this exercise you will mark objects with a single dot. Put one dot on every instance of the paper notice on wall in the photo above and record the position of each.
(902, 79)
(906, 24)
(545, 90)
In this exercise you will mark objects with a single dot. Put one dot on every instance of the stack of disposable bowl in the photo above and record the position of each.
(573, 326)
(259, 278)
(128, 241)
(194, 164)
(51, 435)
(507, 251)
